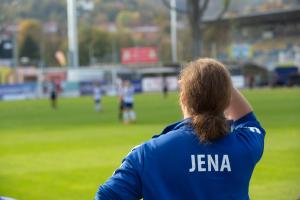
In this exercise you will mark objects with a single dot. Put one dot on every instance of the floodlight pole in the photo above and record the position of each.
(173, 15)
(72, 34)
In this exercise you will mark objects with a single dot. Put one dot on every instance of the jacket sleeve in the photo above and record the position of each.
(125, 183)
(249, 131)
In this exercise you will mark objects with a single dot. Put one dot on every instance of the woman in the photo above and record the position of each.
(199, 157)
(127, 98)
(53, 94)
(97, 96)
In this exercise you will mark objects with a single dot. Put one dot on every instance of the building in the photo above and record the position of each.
(268, 38)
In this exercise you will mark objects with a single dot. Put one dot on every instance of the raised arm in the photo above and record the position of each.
(238, 106)
(245, 125)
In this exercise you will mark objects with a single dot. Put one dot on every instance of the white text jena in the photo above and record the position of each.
(203, 163)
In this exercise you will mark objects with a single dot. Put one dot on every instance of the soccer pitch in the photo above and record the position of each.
(69, 152)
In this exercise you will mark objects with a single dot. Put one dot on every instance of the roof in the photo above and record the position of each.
(291, 15)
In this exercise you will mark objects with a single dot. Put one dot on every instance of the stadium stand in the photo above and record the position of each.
(269, 33)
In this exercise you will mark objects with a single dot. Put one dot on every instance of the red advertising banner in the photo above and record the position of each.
(137, 55)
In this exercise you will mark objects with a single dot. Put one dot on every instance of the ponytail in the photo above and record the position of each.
(209, 127)
(205, 93)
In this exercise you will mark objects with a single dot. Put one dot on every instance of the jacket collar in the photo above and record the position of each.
(174, 126)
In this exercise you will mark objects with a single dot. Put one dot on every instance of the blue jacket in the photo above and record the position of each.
(175, 165)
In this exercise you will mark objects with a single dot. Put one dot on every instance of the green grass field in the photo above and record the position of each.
(67, 153)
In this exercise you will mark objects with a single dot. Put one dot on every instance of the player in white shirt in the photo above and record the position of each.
(97, 97)
(127, 96)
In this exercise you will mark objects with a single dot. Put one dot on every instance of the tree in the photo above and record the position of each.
(30, 49)
(29, 39)
(94, 45)
(52, 43)
(126, 19)
(195, 10)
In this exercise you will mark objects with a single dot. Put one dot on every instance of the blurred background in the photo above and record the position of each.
(70, 45)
